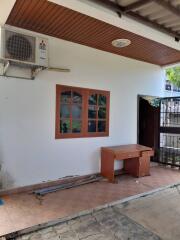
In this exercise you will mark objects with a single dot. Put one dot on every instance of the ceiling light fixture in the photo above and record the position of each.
(120, 43)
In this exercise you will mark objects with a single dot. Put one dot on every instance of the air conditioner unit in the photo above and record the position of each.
(22, 49)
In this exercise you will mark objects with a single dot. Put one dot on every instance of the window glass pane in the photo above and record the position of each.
(76, 126)
(92, 126)
(102, 100)
(101, 126)
(93, 99)
(76, 111)
(65, 126)
(65, 111)
(92, 112)
(102, 113)
(66, 97)
(77, 97)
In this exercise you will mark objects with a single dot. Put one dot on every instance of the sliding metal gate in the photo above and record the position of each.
(169, 147)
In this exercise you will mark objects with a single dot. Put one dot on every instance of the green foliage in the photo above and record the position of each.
(173, 75)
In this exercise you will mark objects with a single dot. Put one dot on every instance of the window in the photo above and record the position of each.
(171, 87)
(81, 112)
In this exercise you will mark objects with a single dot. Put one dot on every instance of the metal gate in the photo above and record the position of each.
(169, 146)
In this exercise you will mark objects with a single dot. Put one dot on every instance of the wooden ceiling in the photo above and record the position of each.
(54, 20)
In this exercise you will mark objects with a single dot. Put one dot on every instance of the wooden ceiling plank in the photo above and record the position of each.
(32, 13)
(67, 22)
(99, 31)
(98, 40)
(94, 33)
(43, 11)
(30, 19)
(57, 15)
(60, 20)
(16, 9)
(22, 15)
(56, 19)
(49, 15)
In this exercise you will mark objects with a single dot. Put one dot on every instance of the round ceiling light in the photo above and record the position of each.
(120, 43)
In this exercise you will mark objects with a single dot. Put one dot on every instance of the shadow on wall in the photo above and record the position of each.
(6, 181)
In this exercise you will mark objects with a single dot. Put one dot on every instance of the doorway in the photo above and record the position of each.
(159, 128)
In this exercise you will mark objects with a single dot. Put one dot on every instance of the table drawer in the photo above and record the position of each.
(126, 155)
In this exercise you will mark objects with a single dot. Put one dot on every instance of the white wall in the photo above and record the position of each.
(6, 7)
(28, 148)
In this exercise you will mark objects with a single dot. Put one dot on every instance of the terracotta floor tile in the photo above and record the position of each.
(24, 210)
(5, 223)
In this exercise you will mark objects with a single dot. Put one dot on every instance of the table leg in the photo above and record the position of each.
(144, 166)
(107, 165)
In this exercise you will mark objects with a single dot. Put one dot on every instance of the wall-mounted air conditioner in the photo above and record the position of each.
(23, 49)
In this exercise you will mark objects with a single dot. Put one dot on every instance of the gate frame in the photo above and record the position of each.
(167, 130)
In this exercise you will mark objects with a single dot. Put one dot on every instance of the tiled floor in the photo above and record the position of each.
(24, 210)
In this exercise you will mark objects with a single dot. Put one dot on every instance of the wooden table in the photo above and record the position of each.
(136, 160)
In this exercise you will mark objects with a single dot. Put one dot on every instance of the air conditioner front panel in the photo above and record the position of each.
(42, 51)
(20, 47)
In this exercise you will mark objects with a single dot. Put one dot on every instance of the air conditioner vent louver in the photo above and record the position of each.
(19, 47)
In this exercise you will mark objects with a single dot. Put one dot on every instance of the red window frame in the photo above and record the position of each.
(85, 93)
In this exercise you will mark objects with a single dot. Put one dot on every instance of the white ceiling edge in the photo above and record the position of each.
(5, 9)
(94, 10)
(171, 65)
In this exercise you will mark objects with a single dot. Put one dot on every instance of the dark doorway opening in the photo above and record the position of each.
(159, 128)
(148, 124)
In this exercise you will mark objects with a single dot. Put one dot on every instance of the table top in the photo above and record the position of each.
(129, 148)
